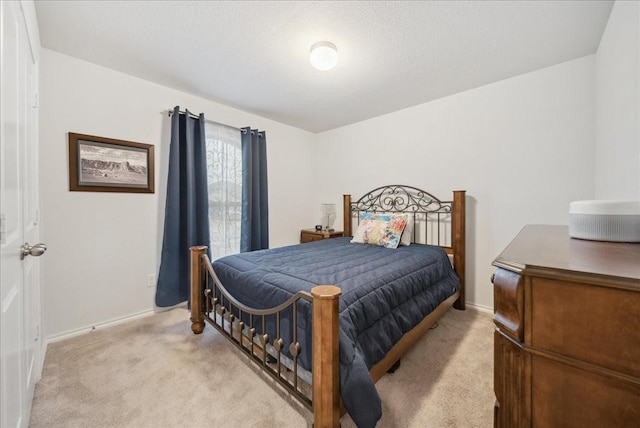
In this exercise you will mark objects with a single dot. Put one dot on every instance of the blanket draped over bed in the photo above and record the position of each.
(385, 293)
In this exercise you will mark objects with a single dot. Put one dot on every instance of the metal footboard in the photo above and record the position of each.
(261, 334)
(247, 328)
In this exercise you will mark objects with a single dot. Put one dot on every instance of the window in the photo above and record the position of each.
(224, 178)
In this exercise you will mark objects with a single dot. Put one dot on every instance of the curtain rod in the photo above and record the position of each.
(207, 120)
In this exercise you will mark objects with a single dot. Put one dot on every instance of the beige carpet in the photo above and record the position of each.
(153, 372)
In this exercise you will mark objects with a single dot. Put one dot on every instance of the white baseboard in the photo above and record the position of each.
(480, 308)
(104, 324)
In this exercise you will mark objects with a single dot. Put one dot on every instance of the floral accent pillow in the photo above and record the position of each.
(380, 229)
(407, 234)
(369, 231)
(393, 231)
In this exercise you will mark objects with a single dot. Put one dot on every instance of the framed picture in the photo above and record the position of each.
(98, 164)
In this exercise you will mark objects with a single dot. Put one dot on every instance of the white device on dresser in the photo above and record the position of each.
(601, 220)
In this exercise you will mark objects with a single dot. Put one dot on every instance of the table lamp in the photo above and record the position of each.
(328, 215)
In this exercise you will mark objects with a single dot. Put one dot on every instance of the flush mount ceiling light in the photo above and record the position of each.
(324, 55)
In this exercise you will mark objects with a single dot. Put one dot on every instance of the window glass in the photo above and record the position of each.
(224, 178)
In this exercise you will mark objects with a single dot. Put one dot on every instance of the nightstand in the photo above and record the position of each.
(310, 235)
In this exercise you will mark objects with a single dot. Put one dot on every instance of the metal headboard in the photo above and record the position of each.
(431, 216)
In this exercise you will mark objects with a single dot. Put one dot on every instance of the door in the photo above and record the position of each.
(20, 349)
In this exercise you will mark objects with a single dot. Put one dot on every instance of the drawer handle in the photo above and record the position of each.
(493, 277)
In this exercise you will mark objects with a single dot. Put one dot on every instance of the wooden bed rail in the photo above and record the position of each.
(325, 347)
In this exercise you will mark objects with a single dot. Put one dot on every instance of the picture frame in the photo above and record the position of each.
(99, 164)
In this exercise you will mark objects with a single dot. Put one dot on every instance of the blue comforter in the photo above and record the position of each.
(385, 293)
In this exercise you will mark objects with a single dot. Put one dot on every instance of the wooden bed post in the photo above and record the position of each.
(326, 387)
(346, 213)
(197, 301)
(459, 242)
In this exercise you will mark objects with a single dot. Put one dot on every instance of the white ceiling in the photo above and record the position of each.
(254, 55)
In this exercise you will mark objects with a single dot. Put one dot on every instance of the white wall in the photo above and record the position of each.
(523, 148)
(617, 162)
(102, 246)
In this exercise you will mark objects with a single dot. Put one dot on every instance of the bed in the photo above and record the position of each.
(327, 319)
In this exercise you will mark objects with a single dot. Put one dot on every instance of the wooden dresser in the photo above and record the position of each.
(567, 338)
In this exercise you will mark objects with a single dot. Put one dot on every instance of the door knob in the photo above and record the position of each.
(32, 250)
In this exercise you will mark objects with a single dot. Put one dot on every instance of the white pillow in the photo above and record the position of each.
(407, 234)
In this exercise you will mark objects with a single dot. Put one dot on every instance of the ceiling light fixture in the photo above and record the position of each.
(324, 56)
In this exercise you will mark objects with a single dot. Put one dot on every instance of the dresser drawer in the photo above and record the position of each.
(569, 397)
(310, 237)
(595, 324)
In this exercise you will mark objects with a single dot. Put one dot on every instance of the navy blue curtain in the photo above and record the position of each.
(254, 228)
(186, 221)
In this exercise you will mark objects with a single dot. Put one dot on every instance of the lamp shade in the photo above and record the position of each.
(328, 209)
(328, 215)
(324, 56)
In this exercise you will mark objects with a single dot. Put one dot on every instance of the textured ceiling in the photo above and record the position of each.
(254, 55)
